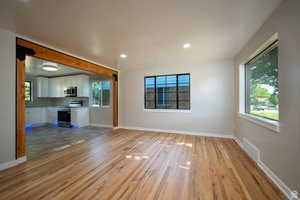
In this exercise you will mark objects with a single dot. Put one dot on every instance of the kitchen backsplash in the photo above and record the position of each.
(60, 101)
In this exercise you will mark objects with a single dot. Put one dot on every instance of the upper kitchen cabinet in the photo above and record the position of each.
(82, 82)
(57, 85)
(42, 87)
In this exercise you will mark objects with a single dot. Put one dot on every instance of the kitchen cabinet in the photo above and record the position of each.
(53, 89)
(55, 86)
(52, 114)
(42, 87)
(80, 117)
(82, 82)
(35, 116)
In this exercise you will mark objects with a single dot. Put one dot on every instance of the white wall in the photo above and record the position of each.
(212, 97)
(279, 151)
(101, 116)
(7, 98)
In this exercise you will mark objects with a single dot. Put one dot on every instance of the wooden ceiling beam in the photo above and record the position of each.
(64, 59)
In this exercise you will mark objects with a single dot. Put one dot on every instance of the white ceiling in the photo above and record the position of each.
(33, 67)
(151, 32)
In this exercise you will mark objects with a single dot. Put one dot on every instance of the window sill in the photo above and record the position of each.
(267, 123)
(100, 107)
(167, 110)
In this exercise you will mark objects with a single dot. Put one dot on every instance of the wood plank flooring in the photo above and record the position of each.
(141, 165)
(43, 139)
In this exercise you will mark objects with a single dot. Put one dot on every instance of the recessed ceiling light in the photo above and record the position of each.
(187, 45)
(123, 56)
(50, 67)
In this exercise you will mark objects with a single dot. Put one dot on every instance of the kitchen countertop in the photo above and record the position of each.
(41, 106)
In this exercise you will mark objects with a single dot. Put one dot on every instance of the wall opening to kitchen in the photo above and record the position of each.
(64, 106)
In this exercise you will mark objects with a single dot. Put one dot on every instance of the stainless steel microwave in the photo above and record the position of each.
(71, 92)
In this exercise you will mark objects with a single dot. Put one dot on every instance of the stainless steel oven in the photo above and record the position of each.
(64, 117)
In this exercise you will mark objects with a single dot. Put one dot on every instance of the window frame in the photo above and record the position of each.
(177, 109)
(101, 94)
(265, 50)
(31, 93)
(106, 106)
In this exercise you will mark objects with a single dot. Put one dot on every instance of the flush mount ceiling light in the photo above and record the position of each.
(50, 67)
(123, 56)
(187, 45)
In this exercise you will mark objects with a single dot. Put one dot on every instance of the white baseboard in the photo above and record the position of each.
(254, 154)
(251, 150)
(13, 163)
(102, 125)
(178, 132)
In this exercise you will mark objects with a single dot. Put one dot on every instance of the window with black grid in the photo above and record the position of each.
(167, 92)
(28, 91)
(150, 92)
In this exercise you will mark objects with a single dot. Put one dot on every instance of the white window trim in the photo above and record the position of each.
(168, 110)
(100, 107)
(101, 103)
(96, 106)
(106, 107)
(266, 123)
(261, 121)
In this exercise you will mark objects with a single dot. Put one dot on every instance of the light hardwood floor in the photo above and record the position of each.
(141, 165)
(40, 140)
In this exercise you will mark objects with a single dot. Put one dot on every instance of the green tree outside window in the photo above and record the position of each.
(262, 91)
(28, 89)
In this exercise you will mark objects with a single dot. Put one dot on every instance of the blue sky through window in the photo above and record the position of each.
(183, 80)
(166, 81)
(150, 82)
(105, 85)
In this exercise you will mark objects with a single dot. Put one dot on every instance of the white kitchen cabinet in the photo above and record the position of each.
(57, 85)
(42, 87)
(61, 87)
(80, 117)
(35, 116)
(69, 81)
(81, 82)
(53, 87)
(83, 85)
(52, 114)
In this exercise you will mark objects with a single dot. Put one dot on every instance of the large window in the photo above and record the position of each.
(167, 92)
(28, 91)
(262, 92)
(100, 93)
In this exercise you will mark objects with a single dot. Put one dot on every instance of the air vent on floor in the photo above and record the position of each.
(294, 196)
